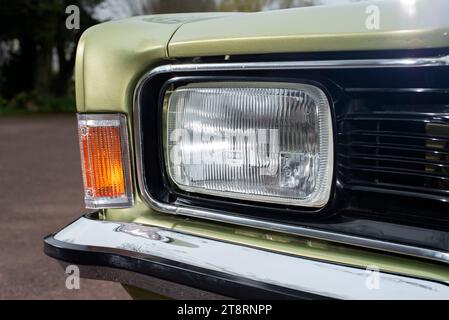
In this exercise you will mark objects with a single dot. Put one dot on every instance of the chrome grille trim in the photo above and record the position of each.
(221, 216)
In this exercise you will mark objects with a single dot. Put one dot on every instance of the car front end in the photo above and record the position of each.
(291, 154)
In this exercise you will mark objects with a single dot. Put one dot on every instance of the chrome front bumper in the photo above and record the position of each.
(159, 257)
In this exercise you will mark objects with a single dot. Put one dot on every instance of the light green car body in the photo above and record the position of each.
(113, 56)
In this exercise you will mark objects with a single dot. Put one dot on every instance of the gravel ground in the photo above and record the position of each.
(40, 192)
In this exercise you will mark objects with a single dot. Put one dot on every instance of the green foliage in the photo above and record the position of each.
(3, 103)
(32, 102)
(25, 101)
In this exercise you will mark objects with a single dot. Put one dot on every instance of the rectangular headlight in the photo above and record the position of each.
(269, 142)
(105, 160)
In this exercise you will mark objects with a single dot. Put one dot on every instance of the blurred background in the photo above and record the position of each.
(40, 179)
(37, 52)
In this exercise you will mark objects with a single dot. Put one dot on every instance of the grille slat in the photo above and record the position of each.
(400, 147)
(391, 186)
(396, 171)
(394, 135)
(405, 118)
(396, 147)
(397, 159)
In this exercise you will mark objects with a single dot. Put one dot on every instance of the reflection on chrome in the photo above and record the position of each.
(292, 272)
(143, 231)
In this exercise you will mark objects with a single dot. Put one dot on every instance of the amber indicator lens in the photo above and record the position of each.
(105, 160)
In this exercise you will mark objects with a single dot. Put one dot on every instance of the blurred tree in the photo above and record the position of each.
(173, 6)
(37, 32)
(284, 4)
(169, 6)
(66, 41)
(39, 29)
(119, 8)
(243, 5)
(260, 5)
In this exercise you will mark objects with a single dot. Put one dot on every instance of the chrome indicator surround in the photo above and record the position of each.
(222, 216)
(284, 271)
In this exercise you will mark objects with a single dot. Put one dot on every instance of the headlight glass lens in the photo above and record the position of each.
(269, 142)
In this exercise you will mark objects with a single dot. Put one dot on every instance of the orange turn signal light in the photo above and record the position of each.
(105, 160)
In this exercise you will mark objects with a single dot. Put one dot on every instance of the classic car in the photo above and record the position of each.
(286, 154)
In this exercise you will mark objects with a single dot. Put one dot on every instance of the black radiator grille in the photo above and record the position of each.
(396, 147)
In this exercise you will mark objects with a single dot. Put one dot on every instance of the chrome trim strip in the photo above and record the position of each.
(292, 272)
(296, 230)
(317, 64)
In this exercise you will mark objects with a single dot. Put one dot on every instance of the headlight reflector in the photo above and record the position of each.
(269, 142)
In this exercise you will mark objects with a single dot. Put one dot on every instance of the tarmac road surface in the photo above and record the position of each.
(40, 192)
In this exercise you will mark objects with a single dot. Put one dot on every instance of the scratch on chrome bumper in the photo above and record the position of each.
(223, 268)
